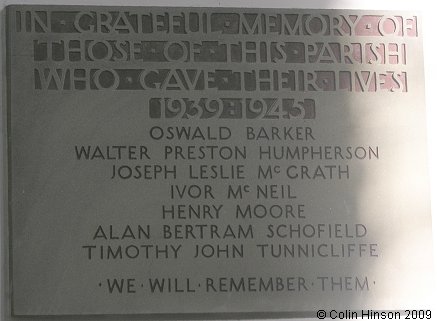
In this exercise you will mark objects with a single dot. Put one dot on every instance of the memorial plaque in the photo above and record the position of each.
(213, 161)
